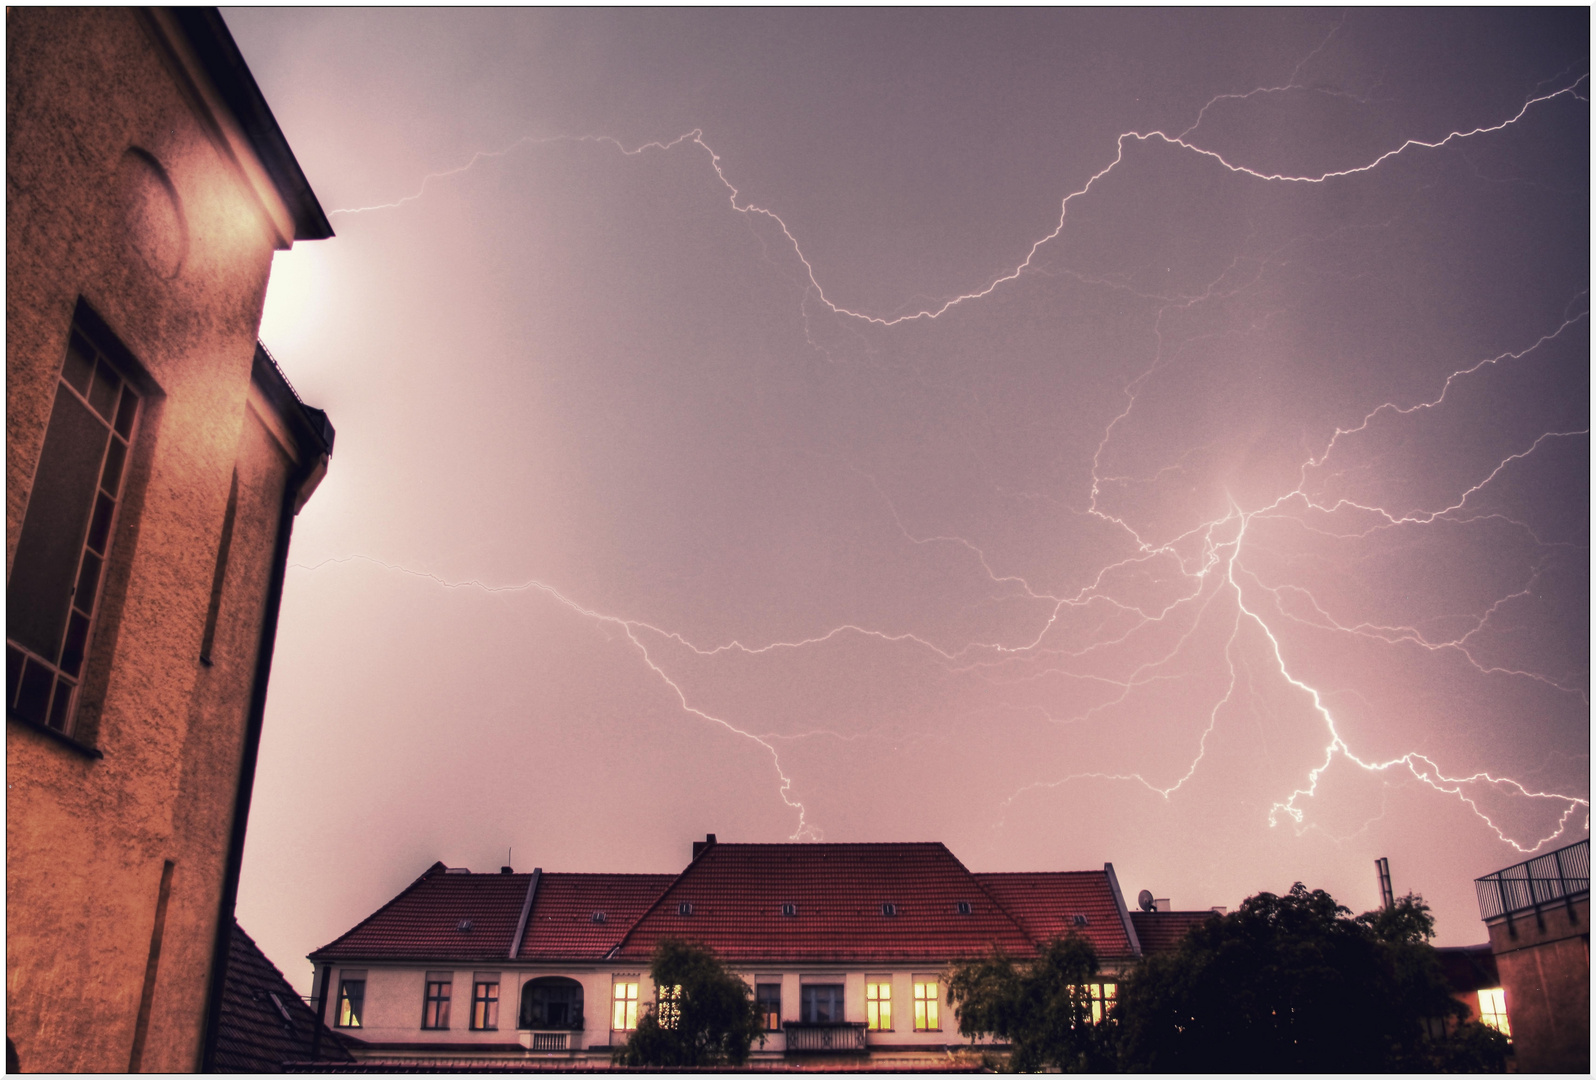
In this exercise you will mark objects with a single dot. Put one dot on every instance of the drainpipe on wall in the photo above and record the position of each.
(317, 439)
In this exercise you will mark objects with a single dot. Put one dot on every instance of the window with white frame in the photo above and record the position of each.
(927, 999)
(1493, 1010)
(485, 1001)
(624, 1016)
(878, 1003)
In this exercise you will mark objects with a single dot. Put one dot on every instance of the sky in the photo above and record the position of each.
(1147, 437)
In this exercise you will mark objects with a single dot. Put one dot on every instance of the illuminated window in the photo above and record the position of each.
(1100, 996)
(821, 1003)
(767, 995)
(878, 1004)
(485, 1003)
(1493, 1009)
(351, 999)
(65, 542)
(927, 996)
(670, 1006)
(625, 1016)
(435, 1007)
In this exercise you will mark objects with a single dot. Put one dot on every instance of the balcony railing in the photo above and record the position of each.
(1558, 875)
(840, 1038)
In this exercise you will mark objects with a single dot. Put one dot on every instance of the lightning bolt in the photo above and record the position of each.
(1209, 556)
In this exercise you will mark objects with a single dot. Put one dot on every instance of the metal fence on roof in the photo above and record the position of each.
(1556, 875)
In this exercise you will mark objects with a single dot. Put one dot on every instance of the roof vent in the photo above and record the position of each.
(889, 910)
(790, 910)
(464, 926)
(684, 908)
(599, 916)
(1079, 920)
(964, 907)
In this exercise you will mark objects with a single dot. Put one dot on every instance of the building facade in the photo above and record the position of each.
(845, 947)
(1538, 916)
(155, 458)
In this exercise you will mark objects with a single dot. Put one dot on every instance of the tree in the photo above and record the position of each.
(1292, 984)
(705, 1015)
(1043, 1008)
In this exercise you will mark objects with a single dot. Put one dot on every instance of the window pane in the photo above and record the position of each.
(34, 696)
(79, 366)
(103, 394)
(60, 705)
(124, 413)
(14, 660)
(46, 561)
(115, 454)
(351, 998)
(76, 640)
(88, 583)
(100, 526)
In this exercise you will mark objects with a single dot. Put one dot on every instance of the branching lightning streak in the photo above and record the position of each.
(1218, 543)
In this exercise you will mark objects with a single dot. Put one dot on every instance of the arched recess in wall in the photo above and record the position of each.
(552, 1002)
(152, 212)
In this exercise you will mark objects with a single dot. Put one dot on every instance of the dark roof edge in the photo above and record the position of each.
(526, 913)
(213, 44)
(1124, 912)
(310, 426)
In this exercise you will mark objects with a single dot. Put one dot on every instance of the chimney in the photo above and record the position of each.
(506, 870)
(701, 846)
(1161, 904)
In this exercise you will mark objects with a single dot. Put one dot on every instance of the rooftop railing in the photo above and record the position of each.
(1557, 875)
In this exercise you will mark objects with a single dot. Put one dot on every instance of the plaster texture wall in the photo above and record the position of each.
(122, 190)
(1544, 961)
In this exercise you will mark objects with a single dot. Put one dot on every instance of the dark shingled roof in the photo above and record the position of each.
(1163, 931)
(263, 1021)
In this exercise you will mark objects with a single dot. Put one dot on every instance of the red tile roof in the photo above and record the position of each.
(424, 921)
(1045, 906)
(1162, 931)
(263, 1021)
(561, 926)
(737, 893)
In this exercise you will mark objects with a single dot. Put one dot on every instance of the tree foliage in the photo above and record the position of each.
(1042, 1008)
(706, 1015)
(1293, 984)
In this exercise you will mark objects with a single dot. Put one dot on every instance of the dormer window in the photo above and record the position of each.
(684, 909)
(598, 916)
(790, 910)
(464, 926)
(963, 907)
(1079, 920)
(889, 910)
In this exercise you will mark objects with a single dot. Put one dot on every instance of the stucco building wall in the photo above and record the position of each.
(126, 190)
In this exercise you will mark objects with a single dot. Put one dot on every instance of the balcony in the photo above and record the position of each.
(1560, 875)
(839, 1038)
(546, 1041)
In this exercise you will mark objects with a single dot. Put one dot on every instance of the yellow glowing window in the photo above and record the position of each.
(625, 1007)
(927, 994)
(1100, 996)
(670, 1006)
(878, 1006)
(351, 1001)
(1493, 1009)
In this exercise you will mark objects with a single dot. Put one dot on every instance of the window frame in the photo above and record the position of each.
(90, 349)
(350, 1007)
(927, 1005)
(807, 1005)
(1494, 1017)
(436, 1000)
(484, 1006)
(623, 1004)
(878, 1003)
(769, 1010)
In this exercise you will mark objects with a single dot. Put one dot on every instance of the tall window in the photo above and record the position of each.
(878, 1003)
(822, 1003)
(53, 593)
(485, 1003)
(927, 996)
(625, 1016)
(670, 1007)
(1493, 1010)
(351, 999)
(435, 1007)
(767, 995)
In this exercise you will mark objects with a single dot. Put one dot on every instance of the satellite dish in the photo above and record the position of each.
(1144, 900)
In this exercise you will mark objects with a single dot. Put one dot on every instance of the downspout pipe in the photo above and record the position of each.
(316, 436)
